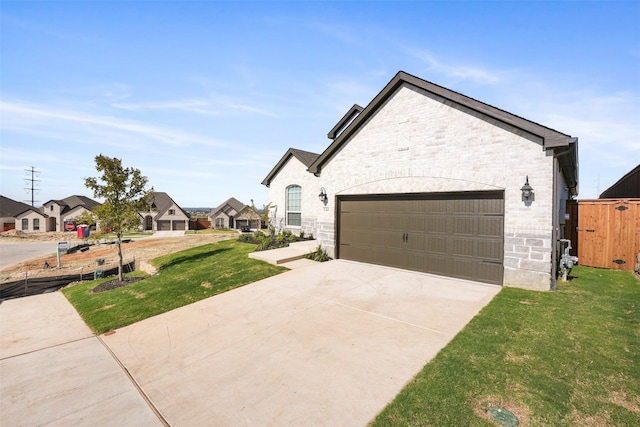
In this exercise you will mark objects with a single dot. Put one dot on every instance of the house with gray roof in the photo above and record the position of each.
(164, 214)
(233, 214)
(54, 214)
(427, 179)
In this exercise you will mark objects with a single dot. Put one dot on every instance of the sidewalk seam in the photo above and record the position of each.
(135, 384)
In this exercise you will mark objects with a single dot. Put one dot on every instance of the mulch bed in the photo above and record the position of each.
(115, 284)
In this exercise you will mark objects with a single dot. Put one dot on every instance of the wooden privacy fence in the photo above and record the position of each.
(609, 233)
(199, 224)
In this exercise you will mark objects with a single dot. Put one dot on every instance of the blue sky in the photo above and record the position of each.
(205, 97)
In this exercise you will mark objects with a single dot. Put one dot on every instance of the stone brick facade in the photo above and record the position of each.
(419, 142)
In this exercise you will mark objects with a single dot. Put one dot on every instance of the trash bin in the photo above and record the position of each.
(86, 231)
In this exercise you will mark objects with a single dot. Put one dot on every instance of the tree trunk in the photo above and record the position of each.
(120, 275)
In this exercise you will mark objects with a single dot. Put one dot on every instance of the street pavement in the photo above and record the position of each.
(12, 253)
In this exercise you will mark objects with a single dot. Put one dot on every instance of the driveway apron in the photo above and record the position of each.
(328, 344)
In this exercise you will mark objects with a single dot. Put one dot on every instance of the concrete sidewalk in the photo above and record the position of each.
(54, 371)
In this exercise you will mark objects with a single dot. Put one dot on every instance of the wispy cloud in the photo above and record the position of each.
(465, 72)
(53, 122)
(190, 105)
(198, 106)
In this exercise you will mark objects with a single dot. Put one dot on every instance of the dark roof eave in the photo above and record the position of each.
(306, 160)
(551, 138)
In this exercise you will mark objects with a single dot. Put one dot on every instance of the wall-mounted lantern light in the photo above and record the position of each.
(527, 192)
(323, 195)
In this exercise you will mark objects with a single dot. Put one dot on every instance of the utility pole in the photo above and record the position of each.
(32, 182)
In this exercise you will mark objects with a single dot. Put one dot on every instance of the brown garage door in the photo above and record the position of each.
(164, 225)
(452, 234)
(178, 225)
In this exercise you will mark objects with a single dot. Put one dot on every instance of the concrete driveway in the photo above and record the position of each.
(328, 344)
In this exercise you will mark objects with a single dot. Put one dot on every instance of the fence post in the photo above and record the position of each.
(25, 283)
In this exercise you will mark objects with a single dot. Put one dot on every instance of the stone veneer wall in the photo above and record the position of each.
(419, 143)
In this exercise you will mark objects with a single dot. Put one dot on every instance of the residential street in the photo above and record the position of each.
(12, 253)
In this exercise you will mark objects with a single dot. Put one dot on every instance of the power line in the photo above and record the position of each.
(32, 182)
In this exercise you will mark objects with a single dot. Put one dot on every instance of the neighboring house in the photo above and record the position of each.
(232, 213)
(164, 215)
(424, 178)
(66, 210)
(626, 187)
(249, 217)
(32, 220)
(9, 209)
(53, 215)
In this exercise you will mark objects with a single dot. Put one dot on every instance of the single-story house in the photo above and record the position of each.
(32, 220)
(427, 179)
(232, 213)
(66, 210)
(9, 209)
(164, 214)
(54, 214)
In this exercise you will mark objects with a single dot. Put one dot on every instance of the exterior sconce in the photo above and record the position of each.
(527, 192)
(323, 196)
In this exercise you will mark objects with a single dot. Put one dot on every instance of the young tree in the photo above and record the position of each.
(124, 194)
(87, 217)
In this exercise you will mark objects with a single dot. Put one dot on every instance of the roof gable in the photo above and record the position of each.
(162, 202)
(30, 209)
(550, 137)
(228, 205)
(307, 158)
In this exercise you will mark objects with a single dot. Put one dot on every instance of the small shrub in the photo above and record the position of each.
(310, 236)
(246, 238)
(320, 255)
(301, 234)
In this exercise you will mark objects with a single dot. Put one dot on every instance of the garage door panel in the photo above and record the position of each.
(436, 224)
(490, 250)
(462, 247)
(164, 225)
(455, 234)
(463, 226)
(436, 244)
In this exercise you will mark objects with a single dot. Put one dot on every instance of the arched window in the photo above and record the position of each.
(294, 205)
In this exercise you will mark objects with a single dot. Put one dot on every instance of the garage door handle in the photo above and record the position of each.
(405, 237)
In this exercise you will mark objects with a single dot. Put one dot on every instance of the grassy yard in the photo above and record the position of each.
(566, 358)
(185, 277)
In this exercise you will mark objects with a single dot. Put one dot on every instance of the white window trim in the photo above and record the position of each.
(288, 211)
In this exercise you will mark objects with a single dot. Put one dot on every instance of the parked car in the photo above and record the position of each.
(245, 229)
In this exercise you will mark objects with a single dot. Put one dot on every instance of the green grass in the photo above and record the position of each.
(566, 358)
(211, 231)
(185, 277)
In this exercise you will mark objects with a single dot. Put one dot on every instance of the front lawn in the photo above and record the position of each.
(566, 358)
(185, 277)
